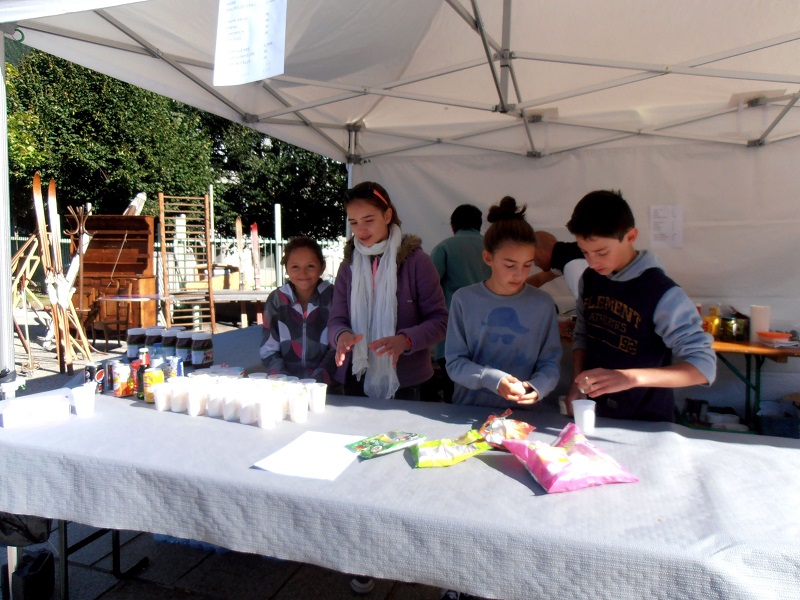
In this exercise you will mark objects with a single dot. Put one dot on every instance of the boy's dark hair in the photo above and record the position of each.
(374, 194)
(302, 241)
(602, 213)
(508, 224)
(466, 216)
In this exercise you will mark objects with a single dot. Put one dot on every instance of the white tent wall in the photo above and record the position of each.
(740, 207)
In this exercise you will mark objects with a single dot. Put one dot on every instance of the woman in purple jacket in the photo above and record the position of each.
(388, 305)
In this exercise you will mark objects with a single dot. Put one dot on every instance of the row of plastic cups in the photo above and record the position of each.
(262, 401)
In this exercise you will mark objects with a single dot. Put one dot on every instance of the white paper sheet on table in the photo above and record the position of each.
(314, 454)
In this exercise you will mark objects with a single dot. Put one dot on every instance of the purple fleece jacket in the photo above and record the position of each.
(421, 311)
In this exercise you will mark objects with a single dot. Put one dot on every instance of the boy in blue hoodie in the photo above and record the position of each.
(638, 334)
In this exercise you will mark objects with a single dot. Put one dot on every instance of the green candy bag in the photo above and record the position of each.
(384, 443)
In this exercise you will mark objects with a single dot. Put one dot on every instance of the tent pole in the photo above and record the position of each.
(763, 139)
(503, 105)
(352, 142)
(8, 374)
(505, 61)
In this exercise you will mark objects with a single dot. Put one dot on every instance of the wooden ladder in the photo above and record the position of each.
(187, 262)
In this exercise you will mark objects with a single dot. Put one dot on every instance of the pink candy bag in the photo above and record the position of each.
(572, 462)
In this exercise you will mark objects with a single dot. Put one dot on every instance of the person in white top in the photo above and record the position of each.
(555, 259)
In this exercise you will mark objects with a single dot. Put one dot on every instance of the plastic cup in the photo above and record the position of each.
(197, 397)
(317, 394)
(257, 376)
(269, 411)
(231, 403)
(293, 389)
(281, 392)
(82, 399)
(216, 396)
(298, 407)
(248, 394)
(162, 395)
(277, 377)
(584, 415)
(180, 394)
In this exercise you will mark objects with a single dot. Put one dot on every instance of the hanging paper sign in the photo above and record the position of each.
(666, 226)
(251, 40)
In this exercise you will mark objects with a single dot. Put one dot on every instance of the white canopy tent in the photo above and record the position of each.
(452, 101)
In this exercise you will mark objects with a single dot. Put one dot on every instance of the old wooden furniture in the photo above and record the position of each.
(121, 252)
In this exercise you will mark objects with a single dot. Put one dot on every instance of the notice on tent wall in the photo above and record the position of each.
(666, 226)
(251, 41)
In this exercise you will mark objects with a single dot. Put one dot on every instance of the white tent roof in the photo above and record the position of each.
(367, 79)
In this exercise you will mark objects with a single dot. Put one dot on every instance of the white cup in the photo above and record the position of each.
(198, 396)
(179, 401)
(317, 394)
(248, 410)
(562, 405)
(277, 377)
(82, 399)
(216, 396)
(281, 391)
(162, 395)
(269, 411)
(584, 415)
(230, 405)
(298, 406)
(257, 376)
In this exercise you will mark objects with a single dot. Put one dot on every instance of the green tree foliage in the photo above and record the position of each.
(104, 141)
(101, 139)
(255, 172)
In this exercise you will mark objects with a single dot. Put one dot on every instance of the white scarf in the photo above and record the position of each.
(373, 312)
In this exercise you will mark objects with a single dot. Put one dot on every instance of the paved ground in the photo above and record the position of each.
(180, 570)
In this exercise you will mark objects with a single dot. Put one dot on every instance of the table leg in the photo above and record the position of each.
(64, 551)
(752, 384)
(12, 552)
(115, 560)
(749, 386)
(243, 311)
(63, 554)
(757, 388)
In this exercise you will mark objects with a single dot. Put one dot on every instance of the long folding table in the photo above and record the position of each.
(714, 515)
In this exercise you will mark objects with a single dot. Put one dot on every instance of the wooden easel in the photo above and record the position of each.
(23, 266)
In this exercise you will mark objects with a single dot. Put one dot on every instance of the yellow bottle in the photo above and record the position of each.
(711, 322)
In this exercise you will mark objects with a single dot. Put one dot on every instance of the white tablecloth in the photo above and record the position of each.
(713, 516)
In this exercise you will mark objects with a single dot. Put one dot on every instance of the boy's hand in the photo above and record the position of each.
(393, 345)
(346, 341)
(597, 382)
(573, 393)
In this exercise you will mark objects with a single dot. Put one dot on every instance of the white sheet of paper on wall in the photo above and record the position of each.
(666, 226)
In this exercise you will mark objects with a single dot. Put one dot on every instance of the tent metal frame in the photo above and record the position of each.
(523, 112)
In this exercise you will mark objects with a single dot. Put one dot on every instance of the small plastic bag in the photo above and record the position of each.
(384, 443)
(498, 428)
(445, 452)
(571, 463)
